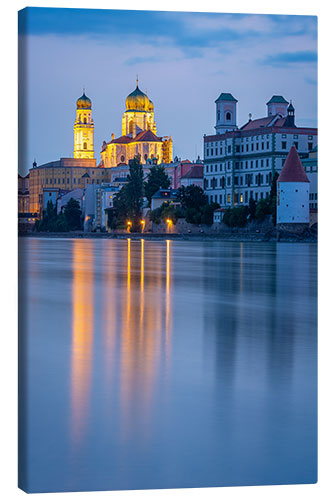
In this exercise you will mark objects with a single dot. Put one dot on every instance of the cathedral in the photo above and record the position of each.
(139, 135)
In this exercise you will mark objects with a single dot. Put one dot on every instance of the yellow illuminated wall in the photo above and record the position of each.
(83, 134)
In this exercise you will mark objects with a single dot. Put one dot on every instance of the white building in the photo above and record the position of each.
(239, 163)
(293, 187)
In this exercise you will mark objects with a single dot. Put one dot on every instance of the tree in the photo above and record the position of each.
(236, 217)
(273, 197)
(73, 215)
(128, 202)
(252, 208)
(164, 212)
(208, 213)
(156, 179)
(192, 197)
(263, 209)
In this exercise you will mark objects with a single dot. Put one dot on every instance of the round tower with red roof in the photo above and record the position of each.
(293, 188)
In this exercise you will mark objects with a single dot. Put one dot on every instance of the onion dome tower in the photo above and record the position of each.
(139, 114)
(83, 128)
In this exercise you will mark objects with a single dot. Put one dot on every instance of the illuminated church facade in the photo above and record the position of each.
(139, 135)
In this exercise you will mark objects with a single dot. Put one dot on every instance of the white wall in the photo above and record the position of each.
(293, 202)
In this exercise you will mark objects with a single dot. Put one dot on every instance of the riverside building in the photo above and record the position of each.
(239, 163)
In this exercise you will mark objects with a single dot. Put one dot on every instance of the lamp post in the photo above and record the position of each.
(143, 223)
(129, 224)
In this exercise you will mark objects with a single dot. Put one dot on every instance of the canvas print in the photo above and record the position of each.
(167, 218)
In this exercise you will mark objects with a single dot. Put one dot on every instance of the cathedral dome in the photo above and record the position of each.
(83, 102)
(138, 101)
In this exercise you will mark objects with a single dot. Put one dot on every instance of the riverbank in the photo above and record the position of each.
(308, 236)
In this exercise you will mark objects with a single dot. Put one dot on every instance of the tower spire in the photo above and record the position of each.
(137, 80)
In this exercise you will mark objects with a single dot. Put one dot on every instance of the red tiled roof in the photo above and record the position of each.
(196, 172)
(146, 136)
(124, 139)
(293, 170)
(264, 122)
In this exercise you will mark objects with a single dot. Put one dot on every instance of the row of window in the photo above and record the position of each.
(224, 199)
(313, 196)
(67, 181)
(246, 180)
(238, 165)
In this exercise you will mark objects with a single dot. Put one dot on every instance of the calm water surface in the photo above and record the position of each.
(165, 364)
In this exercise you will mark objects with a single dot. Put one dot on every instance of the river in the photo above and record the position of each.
(167, 364)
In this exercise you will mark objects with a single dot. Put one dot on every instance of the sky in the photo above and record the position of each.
(183, 60)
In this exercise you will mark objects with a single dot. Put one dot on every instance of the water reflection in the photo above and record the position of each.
(146, 302)
(170, 364)
(82, 337)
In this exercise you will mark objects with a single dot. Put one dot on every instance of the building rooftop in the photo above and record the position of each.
(166, 193)
(226, 97)
(279, 99)
(293, 170)
(196, 172)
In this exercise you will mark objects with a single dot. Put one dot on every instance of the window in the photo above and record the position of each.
(228, 198)
(228, 116)
(267, 144)
(296, 144)
(257, 146)
(284, 145)
(237, 149)
(229, 149)
(74, 180)
(84, 120)
(47, 181)
(241, 198)
(310, 146)
(218, 116)
(216, 152)
(252, 147)
(84, 145)
(67, 180)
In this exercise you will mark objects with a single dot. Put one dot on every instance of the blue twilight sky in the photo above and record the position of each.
(184, 60)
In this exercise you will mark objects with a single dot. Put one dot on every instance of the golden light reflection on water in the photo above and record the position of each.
(132, 326)
(146, 301)
(82, 336)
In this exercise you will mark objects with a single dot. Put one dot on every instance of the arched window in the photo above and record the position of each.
(84, 120)
(130, 127)
(84, 145)
(145, 157)
(122, 158)
(228, 116)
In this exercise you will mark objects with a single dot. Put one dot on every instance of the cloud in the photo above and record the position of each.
(288, 58)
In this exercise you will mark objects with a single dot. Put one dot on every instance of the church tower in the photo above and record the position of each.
(226, 113)
(83, 129)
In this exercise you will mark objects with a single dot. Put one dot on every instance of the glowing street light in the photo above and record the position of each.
(169, 222)
(143, 223)
(129, 223)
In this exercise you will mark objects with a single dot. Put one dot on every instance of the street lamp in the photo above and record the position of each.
(129, 223)
(143, 223)
(169, 222)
